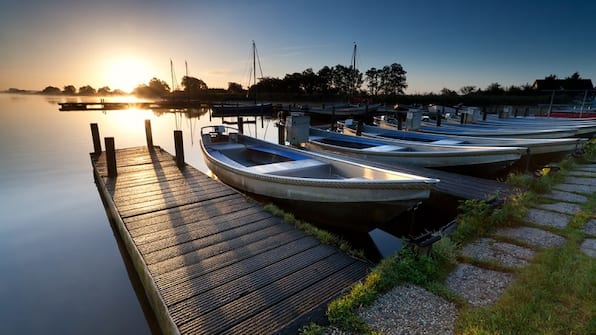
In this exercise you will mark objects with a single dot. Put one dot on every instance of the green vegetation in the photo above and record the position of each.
(553, 295)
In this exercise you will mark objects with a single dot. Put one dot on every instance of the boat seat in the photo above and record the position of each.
(285, 166)
(225, 159)
(384, 148)
(227, 146)
(283, 153)
(447, 142)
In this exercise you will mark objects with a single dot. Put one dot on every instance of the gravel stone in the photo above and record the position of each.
(584, 189)
(562, 207)
(547, 218)
(480, 287)
(532, 236)
(410, 309)
(588, 247)
(590, 227)
(566, 196)
(488, 249)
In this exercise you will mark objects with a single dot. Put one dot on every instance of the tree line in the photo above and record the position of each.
(385, 84)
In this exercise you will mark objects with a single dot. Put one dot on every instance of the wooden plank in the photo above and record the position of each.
(212, 260)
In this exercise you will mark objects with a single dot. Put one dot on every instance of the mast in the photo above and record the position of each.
(254, 67)
(353, 72)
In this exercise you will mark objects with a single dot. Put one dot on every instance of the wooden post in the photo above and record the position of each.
(515, 112)
(359, 128)
(281, 135)
(111, 156)
(240, 125)
(96, 141)
(439, 116)
(399, 122)
(484, 113)
(148, 134)
(179, 145)
(462, 117)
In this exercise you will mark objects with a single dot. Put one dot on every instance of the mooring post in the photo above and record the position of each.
(111, 156)
(359, 128)
(440, 115)
(96, 140)
(240, 125)
(179, 144)
(484, 113)
(281, 138)
(399, 122)
(148, 134)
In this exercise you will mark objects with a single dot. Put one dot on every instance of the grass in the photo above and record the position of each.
(553, 295)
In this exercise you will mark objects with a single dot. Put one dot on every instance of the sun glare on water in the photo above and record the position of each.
(126, 73)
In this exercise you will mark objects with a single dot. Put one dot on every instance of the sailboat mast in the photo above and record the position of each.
(353, 72)
(254, 67)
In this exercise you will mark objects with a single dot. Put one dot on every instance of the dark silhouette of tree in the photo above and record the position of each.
(373, 78)
(393, 80)
(87, 90)
(494, 88)
(235, 88)
(447, 92)
(104, 90)
(51, 90)
(69, 90)
(467, 90)
(193, 85)
(574, 76)
(326, 80)
(551, 77)
(310, 82)
(156, 88)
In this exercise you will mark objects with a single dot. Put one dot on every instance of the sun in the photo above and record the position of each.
(126, 73)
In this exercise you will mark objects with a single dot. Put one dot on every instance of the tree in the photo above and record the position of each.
(70, 90)
(495, 88)
(104, 90)
(447, 92)
(393, 80)
(373, 79)
(193, 85)
(87, 90)
(574, 76)
(325, 75)
(235, 88)
(156, 88)
(467, 90)
(51, 90)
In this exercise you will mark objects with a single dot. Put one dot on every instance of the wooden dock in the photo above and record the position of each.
(212, 261)
(103, 105)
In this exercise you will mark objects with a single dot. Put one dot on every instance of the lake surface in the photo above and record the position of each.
(60, 262)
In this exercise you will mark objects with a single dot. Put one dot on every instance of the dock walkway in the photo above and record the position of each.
(212, 261)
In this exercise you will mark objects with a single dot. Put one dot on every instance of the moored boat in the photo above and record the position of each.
(541, 151)
(486, 162)
(329, 190)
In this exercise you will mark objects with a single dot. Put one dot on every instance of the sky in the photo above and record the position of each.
(440, 44)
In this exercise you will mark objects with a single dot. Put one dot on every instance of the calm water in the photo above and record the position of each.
(61, 269)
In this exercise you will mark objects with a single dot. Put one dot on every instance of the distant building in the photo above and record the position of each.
(563, 85)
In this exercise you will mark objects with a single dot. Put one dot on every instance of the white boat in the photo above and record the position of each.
(471, 160)
(540, 151)
(488, 131)
(328, 190)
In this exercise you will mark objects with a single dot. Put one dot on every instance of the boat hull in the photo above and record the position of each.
(354, 203)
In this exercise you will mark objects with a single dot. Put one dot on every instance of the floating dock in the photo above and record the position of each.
(103, 105)
(211, 261)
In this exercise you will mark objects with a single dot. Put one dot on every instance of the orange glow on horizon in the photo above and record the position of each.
(126, 73)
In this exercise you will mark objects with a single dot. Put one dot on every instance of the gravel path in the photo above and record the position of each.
(409, 309)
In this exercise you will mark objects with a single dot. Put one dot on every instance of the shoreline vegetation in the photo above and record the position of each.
(538, 303)
(340, 83)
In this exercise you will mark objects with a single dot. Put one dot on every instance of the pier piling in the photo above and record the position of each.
(111, 157)
(179, 144)
(96, 140)
(148, 134)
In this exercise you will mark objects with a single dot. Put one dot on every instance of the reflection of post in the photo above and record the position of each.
(179, 145)
(96, 141)
(148, 134)
(111, 156)
(550, 106)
